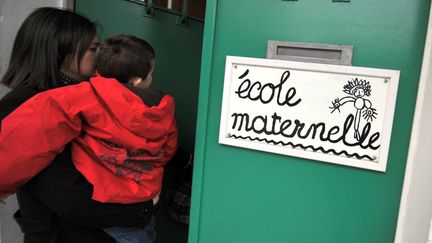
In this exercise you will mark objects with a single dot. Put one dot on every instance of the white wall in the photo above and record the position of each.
(415, 212)
(12, 14)
(9, 230)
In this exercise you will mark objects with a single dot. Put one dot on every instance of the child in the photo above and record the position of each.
(121, 136)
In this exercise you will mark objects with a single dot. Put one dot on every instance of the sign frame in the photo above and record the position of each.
(390, 76)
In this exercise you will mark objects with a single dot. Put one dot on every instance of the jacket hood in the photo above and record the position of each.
(135, 108)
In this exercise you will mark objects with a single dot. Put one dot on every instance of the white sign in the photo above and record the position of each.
(330, 113)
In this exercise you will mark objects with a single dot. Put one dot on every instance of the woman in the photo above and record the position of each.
(54, 48)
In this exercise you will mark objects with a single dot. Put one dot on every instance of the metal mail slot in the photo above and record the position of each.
(310, 52)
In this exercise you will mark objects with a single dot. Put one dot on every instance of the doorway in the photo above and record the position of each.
(175, 29)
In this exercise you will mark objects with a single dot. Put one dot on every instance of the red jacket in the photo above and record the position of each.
(120, 144)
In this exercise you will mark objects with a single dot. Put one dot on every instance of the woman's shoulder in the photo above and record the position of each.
(15, 98)
(19, 94)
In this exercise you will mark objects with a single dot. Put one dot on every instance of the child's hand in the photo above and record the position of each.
(335, 105)
(156, 199)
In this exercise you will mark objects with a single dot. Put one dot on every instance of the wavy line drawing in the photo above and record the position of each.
(321, 149)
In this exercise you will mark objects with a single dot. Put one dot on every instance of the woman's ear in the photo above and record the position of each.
(136, 81)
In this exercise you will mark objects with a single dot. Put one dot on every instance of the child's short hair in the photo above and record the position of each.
(124, 57)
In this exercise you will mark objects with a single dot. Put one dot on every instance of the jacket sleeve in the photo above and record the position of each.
(65, 191)
(31, 136)
(60, 187)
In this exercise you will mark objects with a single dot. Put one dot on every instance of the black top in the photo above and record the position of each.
(56, 204)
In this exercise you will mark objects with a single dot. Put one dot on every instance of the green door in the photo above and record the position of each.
(247, 196)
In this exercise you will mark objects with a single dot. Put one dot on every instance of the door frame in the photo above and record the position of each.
(415, 211)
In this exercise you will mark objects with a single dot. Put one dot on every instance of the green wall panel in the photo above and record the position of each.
(246, 196)
(178, 52)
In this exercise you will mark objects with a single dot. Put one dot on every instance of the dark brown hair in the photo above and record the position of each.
(124, 57)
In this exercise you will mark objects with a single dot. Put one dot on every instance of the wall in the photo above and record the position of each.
(241, 195)
(12, 14)
(415, 215)
(178, 53)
